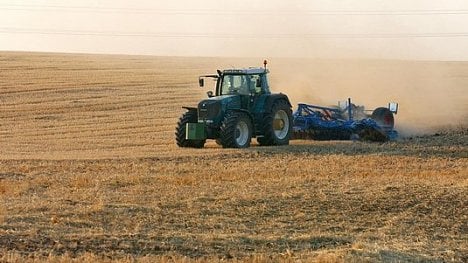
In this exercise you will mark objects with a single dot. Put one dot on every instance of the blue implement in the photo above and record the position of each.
(350, 123)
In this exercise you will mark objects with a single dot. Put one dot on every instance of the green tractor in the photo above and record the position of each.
(241, 109)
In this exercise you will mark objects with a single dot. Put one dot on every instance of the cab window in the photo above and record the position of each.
(255, 84)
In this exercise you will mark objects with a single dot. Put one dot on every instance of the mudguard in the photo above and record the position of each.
(274, 97)
(190, 108)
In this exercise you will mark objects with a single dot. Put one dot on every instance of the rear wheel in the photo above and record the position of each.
(188, 117)
(385, 121)
(277, 125)
(384, 118)
(236, 130)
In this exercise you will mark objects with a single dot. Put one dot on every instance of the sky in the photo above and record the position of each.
(392, 29)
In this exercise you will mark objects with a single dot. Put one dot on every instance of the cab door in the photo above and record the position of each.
(255, 89)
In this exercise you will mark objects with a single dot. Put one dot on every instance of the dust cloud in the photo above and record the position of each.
(432, 95)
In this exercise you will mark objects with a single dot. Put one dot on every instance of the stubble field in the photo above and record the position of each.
(89, 171)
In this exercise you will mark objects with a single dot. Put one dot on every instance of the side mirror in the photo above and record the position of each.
(201, 82)
(209, 93)
(393, 107)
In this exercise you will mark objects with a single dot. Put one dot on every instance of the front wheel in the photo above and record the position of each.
(180, 133)
(277, 125)
(236, 130)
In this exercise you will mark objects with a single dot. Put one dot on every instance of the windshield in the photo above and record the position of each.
(235, 84)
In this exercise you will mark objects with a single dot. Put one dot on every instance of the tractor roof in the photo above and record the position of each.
(247, 71)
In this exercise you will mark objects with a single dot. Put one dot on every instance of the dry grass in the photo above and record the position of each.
(89, 171)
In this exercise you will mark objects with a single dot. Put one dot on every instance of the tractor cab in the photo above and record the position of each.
(250, 82)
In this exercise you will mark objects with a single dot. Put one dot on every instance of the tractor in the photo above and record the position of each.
(241, 108)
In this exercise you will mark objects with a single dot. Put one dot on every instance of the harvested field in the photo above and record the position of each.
(89, 171)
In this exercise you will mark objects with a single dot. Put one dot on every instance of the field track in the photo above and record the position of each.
(89, 170)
